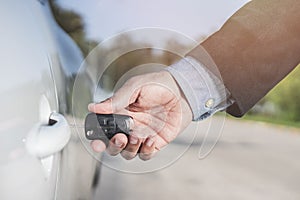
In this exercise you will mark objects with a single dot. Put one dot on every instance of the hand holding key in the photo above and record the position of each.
(159, 111)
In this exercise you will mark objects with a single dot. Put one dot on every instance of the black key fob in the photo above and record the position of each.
(105, 126)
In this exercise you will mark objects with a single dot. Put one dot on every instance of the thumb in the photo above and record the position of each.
(103, 107)
(125, 96)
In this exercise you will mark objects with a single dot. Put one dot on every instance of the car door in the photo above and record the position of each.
(77, 175)
(28, 97)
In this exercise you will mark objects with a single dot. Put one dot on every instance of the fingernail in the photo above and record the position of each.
(150, 141)
(133, 139)
(100, 148)
(91, 106)
(118, 143)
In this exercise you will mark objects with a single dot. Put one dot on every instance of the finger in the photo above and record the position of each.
(117, 144)
(148, 120)
(104, 107)
(126, 95)
(161, 142)
(141, 130)
(132, 147)
(98, 146)
(148, 148)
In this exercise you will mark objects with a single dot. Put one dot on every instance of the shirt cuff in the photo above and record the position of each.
(205, 93)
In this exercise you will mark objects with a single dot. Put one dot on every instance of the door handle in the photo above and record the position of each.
(45, 140)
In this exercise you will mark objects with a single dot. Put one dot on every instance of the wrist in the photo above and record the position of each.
(177, 90)
(204, 92)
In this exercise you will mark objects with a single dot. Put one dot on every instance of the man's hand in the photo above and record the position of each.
(158, 108)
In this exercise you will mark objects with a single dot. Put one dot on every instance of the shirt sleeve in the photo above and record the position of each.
(205, 93)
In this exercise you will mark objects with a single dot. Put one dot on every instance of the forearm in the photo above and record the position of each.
(255, 49)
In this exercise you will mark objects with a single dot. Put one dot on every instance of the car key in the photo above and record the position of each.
(105, 126)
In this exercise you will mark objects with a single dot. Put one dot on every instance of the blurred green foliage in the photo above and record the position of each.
(72, 23)
(286, 97)
(282, 104)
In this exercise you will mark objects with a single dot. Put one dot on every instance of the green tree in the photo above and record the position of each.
(72, 23)
(286, 97)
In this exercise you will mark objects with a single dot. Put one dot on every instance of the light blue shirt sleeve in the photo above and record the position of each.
(205, 93)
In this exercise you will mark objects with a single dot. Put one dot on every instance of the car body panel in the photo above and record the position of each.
(26, 82)
(38, 66)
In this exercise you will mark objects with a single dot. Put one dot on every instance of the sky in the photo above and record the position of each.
(194, 18)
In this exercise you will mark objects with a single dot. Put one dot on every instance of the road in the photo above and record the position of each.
(250, 161)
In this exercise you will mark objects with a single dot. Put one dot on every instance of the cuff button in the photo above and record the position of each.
(210, 103)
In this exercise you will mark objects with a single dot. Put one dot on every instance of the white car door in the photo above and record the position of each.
(28, 97)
